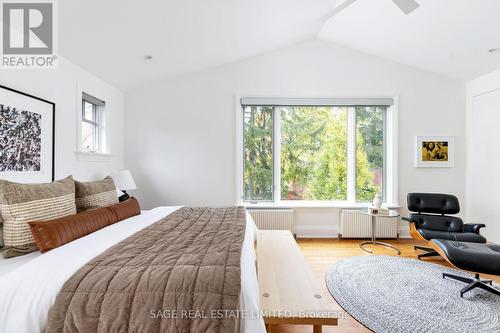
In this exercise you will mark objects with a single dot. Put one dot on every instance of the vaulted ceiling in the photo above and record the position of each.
(450, 37)
(110, 38)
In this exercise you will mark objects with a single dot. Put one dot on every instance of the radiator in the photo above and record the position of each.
(354, 224)
(273, 219)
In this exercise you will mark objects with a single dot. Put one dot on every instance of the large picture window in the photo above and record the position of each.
(258, 151)
(314, 152)
(370, 152)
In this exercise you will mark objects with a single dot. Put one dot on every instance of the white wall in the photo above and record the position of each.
(483, 158)
(61, 86)
(180, 142)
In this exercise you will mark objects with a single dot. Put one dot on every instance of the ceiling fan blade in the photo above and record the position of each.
(343, 4)
(407, 6)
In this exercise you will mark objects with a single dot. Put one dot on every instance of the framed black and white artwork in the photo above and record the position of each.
(26, 137)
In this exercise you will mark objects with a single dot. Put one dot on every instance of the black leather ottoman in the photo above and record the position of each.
(475, 257)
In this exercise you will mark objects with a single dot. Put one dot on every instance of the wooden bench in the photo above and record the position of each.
(289, 292)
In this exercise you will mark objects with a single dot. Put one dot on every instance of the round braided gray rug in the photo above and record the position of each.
(394, 294)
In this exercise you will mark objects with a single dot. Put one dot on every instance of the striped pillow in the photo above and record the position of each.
(1, 231)
(96, 194)
(1, 235)
(23, 203)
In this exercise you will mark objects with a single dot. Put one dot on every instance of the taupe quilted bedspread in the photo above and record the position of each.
(173, 276)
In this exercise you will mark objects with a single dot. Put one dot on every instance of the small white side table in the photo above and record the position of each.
(392, 213)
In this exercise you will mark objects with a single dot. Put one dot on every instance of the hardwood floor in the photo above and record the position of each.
(322, 253)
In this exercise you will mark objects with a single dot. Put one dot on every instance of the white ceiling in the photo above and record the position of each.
(109, 38)
(450, 37)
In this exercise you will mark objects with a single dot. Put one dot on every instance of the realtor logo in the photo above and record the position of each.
(28, 34)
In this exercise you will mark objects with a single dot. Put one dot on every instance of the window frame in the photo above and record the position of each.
(98, 123)
(384, 155)
(274, 179)
(390, 167)
(94, 124)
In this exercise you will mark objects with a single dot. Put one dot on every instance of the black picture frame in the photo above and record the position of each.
(53, 145)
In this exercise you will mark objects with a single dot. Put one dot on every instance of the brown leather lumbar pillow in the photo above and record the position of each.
(125, 209)
(54, 233)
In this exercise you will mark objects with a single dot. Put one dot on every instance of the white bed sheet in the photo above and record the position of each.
(7, 265)
(28, 287)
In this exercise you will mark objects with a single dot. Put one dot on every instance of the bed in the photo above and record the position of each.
(30, 284)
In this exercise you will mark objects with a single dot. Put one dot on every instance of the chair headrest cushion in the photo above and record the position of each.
(433, 203)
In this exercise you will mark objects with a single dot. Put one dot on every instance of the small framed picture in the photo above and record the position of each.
(435, 152)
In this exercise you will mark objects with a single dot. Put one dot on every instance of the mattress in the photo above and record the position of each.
(28, 286)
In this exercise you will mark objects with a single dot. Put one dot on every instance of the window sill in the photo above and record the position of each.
(312, 204)
(92, 157)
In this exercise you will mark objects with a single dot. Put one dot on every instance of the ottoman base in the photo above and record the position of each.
(475, 282)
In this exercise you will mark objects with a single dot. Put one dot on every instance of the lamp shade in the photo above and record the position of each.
(123, 180)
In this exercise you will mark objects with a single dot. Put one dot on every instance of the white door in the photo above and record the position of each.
(483, 164)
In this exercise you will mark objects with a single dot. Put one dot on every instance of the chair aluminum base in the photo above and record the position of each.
(361, 245)
(475, 282)
(429, 252)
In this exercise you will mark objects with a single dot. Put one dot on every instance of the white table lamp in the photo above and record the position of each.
(123, 181)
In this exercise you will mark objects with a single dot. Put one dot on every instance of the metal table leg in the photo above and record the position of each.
(374, 239)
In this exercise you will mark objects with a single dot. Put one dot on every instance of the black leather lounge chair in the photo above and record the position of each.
(429, 220)
(475, 257)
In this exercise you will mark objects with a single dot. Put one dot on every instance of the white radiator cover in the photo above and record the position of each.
(273, 219)
(354, 224)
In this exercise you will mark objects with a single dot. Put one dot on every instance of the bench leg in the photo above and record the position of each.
(317, 328)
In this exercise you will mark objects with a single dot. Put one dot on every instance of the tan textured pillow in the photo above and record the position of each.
(23, 203)
(1, 235)
(1, 231)
(96, 194)
(51, 234)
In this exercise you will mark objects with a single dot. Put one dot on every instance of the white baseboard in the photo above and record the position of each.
(316, 232)
(332, 232)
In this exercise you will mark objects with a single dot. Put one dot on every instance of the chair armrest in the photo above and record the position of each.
(408, 219)
(470, 227)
